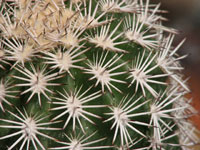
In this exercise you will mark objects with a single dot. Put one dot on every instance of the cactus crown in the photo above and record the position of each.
(91, 74)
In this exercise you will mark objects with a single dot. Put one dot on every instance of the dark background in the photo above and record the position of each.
(184, 15)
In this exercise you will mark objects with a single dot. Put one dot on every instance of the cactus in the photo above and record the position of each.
(91, 74)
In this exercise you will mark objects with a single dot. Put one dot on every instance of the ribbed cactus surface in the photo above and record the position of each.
(91, 74)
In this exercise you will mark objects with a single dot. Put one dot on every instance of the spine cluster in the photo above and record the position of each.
(91, 74)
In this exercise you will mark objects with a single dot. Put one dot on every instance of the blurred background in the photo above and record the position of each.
(184, 15)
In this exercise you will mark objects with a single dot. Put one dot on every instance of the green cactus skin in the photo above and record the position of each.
(91, 74)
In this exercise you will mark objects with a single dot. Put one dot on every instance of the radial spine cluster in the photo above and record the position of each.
(91, 74)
